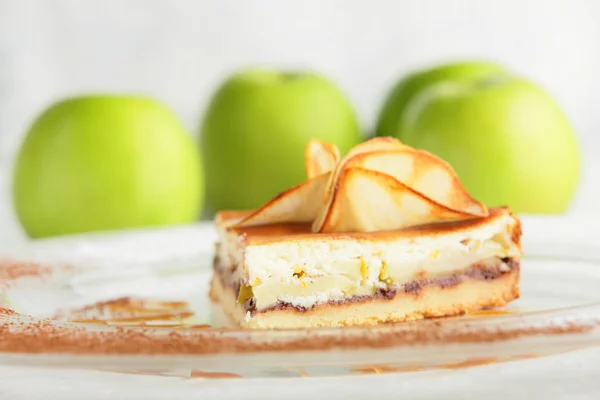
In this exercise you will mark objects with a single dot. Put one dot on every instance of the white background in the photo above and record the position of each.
(179, 50)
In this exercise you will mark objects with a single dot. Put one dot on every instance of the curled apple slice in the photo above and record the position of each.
(372, 145)
(320, 158)
(367, 201)
(302, 202)
(376, 144)
(424, 173)
(293, 205)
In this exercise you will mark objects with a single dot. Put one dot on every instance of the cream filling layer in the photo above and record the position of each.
(318, 257)
(308, 291)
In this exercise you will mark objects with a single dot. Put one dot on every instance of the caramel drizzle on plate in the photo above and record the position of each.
(130, 312)
(213, 375)
(489, 313)
(471, 362)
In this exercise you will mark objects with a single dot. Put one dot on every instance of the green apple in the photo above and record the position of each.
(256, 127)
(508, 140)
(106, 162)
(391, 116)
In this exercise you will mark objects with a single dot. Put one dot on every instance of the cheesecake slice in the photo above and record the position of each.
(286, 276)
(386, 234)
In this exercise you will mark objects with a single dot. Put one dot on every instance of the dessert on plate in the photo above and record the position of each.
(387, 233)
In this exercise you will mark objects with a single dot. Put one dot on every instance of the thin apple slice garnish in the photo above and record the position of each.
(372, 145)
(368, 201)
(424, 173)
(383, 143)
(320, 158)
(293, 205)
(379, 185)
(301, 203)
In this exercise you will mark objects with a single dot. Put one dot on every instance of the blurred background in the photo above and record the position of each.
(179, 52)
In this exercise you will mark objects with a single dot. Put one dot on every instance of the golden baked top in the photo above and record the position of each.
(298, 231)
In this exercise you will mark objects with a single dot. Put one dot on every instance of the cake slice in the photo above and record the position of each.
(283, 275)
(385, 234)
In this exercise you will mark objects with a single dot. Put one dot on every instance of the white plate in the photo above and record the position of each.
(559, 311)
